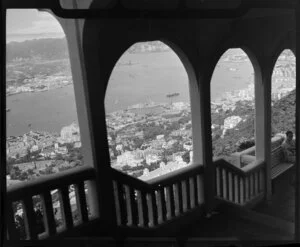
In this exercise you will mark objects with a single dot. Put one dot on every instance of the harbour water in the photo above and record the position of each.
(148, 77)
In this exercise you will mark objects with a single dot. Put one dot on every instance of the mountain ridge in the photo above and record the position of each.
(46, 49)
(57, 48)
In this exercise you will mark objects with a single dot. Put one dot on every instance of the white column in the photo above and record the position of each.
(196, 120)
(73, 30)
(205, 113)
(263, 77)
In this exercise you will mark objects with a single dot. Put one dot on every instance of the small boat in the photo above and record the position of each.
(7, 109)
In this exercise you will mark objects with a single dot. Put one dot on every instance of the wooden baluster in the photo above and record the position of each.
(133, 204)
(230, 188)
(168, 202)
(30, 219)
(252, 185)
(81, 201)
(246, 181)
(154, 208)
(192, 192)
(67, 213)
(122, 203)
(200, 190)
(176, 193)
(150, 210)
(180, 200)
(128, 205)
(11, 226)
(188, 196)
(48, 213)
(224, 182)
(261, 180)
(140, 208)
(182, 197)
(227, 185)
(159, 206)
(145, 209)
(236, 189)
(221, 183)
(256, 183)
(92, 199)
(195, 191)
(218, 181)
(172, 200)
(117, 203)
(249, 187)
(242, 192)
(164, 203)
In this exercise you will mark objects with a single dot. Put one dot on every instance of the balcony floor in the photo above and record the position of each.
(282, 204)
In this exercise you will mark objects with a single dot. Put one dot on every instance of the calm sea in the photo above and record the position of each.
(137, 78)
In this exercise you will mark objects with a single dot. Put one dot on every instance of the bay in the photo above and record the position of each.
(137, 78)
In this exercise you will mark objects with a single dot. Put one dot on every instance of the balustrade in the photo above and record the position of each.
(151, 203)
(239, 186)
(40, 221)
(138, 204)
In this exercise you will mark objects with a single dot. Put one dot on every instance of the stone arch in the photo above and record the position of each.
(248, 93)
(193, 96)
(287, 78)
(101, 50)
(287, 43)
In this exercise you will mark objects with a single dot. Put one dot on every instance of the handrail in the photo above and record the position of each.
(253, 166)
(227, 165)
(241, 186)
(127, 179)
(49, 182)
(246, 170)
(176, 175)
(247, 159)
(147, 204)
(163, 180)
(86, 204)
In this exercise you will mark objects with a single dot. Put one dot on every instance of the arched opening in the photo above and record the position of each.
(148, 113)
(284, 93)
(43, 136)
(232, 106)
(283, 103)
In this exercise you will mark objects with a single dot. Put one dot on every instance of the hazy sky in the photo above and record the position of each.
(25, 24)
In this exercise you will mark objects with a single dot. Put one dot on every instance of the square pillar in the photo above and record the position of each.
(196, 114)
(263, 121)
(100, 196)
(206, 141)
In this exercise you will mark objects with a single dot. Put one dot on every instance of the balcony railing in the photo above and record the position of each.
(152, 203)
(23, 194)
(240, 185)
(138, 204)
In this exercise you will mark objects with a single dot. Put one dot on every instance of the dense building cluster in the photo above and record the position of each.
(40, 153)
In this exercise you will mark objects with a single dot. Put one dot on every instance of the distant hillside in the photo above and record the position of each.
(46, 49)
(283, 114)
(152, 46)
(56, 48)
(242, 136)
